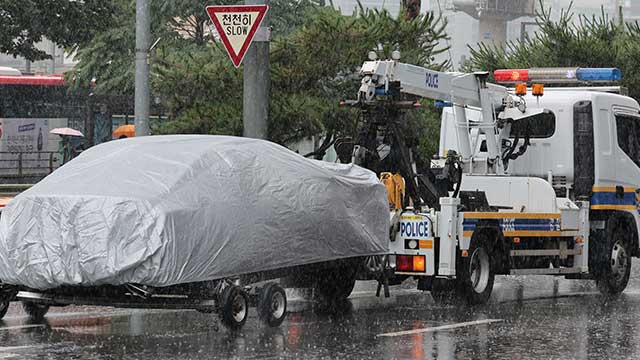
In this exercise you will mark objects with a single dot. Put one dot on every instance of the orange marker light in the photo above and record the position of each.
(464, 253)
(537, 89)
(516, 240)
(521, 89)
(418, 263)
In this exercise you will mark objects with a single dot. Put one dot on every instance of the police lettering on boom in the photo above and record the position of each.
(414, 229)
(432, 80)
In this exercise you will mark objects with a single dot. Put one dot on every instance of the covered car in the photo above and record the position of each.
(167, 210)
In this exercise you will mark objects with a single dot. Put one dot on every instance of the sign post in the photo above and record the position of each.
(237, 26)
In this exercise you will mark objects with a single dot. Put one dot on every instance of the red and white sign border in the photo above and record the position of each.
(236, 59)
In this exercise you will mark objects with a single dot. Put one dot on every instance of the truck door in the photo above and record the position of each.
(627, 151)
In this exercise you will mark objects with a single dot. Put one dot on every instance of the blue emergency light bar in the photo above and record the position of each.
(598, 74)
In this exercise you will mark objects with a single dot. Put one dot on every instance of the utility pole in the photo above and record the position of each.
(53, 58)
(143, 33)
(256, 83)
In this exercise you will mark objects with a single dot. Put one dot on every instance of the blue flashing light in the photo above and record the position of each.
(598, 74)
(442, 104)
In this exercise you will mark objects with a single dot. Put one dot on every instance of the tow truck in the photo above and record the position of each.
(525, 183)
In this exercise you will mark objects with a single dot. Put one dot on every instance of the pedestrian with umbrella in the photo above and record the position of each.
(65, 148)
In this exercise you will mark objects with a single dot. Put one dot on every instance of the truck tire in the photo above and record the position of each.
(4, 307)
(614, 277)
(234, 307)
(475, 277)
(272, 305)
(35, 311)
(335, 284)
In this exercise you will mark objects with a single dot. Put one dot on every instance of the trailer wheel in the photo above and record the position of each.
(234, 307)
(475, 276)
(35, 311)
(272, 305)
(335, 284)
(615, 275)
(4, 307)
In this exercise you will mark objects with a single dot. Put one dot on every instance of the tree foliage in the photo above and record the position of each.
(69, 23)
(595, 41)
(315, 57)
(313, 68)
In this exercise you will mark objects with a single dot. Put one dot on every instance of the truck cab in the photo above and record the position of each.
(529, 180)
(585, 147)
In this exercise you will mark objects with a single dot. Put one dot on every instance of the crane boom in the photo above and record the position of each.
(455, 87)
(461, 90)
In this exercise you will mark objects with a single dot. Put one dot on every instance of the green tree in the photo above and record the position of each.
(109, 57)
(313, 68)
(24, 23)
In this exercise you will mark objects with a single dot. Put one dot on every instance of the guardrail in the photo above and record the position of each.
(11, 190)
(25, 164)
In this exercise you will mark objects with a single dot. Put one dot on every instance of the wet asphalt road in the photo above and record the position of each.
(528, 318)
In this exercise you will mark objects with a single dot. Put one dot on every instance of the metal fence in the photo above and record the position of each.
(28, 164)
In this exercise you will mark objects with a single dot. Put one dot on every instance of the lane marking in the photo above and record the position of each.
(21, 327)
(14, 348)
(440, 328)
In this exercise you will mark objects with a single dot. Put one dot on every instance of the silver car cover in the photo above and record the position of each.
(165, 210)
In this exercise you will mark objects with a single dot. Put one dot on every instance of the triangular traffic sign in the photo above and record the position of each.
(237, 25)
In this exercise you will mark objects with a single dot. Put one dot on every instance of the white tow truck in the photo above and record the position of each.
(524, 183)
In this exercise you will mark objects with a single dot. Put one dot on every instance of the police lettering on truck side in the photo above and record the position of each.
(414, 229)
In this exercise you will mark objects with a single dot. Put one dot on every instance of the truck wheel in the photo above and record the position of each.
(475, 276)
(234, 307)
(4, 307)
(335, 284)
(272, 305)
(35, 311)
(615, 275)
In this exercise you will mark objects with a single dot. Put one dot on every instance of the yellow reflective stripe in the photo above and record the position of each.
(611, 189)
(410, 217)
(506, 215)
(613, 207)
(532, 233)
(523, 233)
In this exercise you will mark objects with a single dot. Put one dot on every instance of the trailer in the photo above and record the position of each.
(189, 221)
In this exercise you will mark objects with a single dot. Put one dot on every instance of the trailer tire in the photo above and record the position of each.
(272, 305)
(4, 307)
(234, 307)
(614, 277)
(335, 284)
(475, 278)
(35, 311)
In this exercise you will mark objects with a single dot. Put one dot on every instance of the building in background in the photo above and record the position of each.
(495, 21)
(60, 63)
